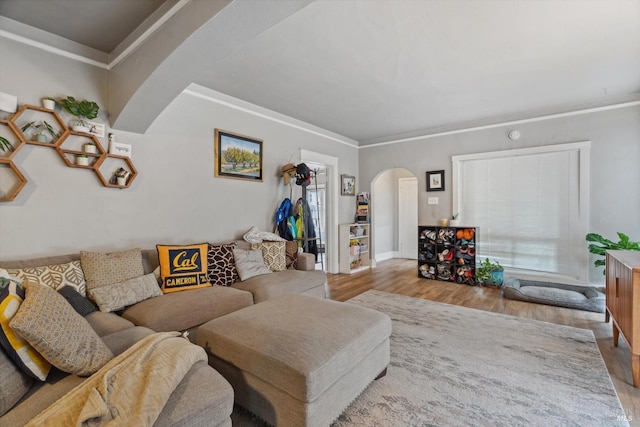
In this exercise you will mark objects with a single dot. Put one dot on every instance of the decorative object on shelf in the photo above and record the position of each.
(237, 156)
(118, 148)
(82, 160)
(121, 176)
(362, 208)
(90, 147)
(83, 110)
(8, 103)
(624, 244)
(347, 185)
(435, 180)
(49, 103)
(96, 129)
(5, 145)
(454, 222)
(490, 273)
(39, 131)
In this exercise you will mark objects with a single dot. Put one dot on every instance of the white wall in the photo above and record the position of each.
(174, 199)
(615, 176)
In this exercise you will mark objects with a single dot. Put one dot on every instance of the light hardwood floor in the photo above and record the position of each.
(401, 277)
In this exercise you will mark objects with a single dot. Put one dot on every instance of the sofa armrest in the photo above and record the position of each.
(306, 262)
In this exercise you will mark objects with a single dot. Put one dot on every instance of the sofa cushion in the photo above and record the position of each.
(221, 268)
(250, 263)
(15, 383)
(183, 267)
(63, 337)
(120, 295)
(285, 282)
(180, 311)
(102, 269)
(17, 348)
(55, 275)
(274, 255)
(79, 303)
(104, 323)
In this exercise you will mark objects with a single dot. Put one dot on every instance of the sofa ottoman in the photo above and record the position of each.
(298, 360)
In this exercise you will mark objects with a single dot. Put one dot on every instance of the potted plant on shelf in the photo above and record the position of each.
(83, 110)
(5, 145)
(90, 147)
(121, 176)
(82, 160)
(40, 128)
(489, 273)
(49, 103)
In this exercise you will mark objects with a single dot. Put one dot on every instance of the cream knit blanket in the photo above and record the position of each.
(131, 389)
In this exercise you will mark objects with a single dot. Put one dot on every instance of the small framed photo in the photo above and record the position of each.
(97, 129)
(237, 156)
(347, 185)
(435, 180)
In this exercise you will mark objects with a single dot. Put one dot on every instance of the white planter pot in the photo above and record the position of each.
(454, 222)
(121, 180)
(49, 104)
(41, 137)
(79, 128)
(90, 148)
(82, 161)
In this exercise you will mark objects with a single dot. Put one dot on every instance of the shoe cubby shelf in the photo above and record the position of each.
(447, 253)
(49, 130)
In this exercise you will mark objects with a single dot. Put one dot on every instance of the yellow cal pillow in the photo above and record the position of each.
(183, 267)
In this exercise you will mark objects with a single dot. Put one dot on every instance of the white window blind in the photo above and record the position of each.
(531, 207)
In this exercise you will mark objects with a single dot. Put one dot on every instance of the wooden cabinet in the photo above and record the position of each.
(623, 302)
(447, 253)
(354, 247)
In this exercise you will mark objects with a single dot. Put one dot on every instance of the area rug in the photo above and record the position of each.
(456, 366)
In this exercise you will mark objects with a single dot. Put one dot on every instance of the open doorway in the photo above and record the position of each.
(394, 215)
(316, 197)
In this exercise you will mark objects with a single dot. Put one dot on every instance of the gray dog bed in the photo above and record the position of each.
(572, 296)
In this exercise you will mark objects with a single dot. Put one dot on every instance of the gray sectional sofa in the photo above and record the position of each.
(203, 397)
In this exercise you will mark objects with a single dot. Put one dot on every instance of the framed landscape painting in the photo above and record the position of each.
(237, 156)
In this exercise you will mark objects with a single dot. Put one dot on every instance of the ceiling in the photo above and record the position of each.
(380, 70)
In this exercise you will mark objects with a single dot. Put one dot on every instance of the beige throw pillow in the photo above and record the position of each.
(249, 263)
(55, 276)
(274, 255)
(120, 295)
(102, 269)
(62, 336)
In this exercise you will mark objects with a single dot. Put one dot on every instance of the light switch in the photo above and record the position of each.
(432, 200)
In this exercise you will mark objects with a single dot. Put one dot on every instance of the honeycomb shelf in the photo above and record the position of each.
(68, 144)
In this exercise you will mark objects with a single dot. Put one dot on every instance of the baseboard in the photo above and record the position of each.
(385, 256)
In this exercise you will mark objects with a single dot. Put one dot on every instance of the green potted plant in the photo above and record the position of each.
(49, 103)
(5, 145)
(83, 110)
(121, 176)
(82, 160)
(601, 245)
(490, 273)
(40, 128)
(90, 147)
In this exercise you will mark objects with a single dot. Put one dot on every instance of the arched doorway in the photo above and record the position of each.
(394, 214)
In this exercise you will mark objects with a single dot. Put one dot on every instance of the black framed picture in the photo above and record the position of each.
(237, 156)
(435, 180)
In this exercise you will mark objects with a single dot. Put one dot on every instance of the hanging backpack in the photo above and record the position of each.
(283, 210)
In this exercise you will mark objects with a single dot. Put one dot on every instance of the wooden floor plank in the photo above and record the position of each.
(400, 276)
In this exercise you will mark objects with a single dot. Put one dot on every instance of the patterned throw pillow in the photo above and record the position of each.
(63, 337)
(274, 255)
(19, 350)
(250, 263)
(291, 250)
(104, 269)
(55, 276)
(221, 268)
(120, 295)
(81, 304)
(183, 267)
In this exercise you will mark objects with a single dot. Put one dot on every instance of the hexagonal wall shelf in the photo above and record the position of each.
(11, 181)
(72, 150)
(109, 167)
(45, 122)
(9, 133)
